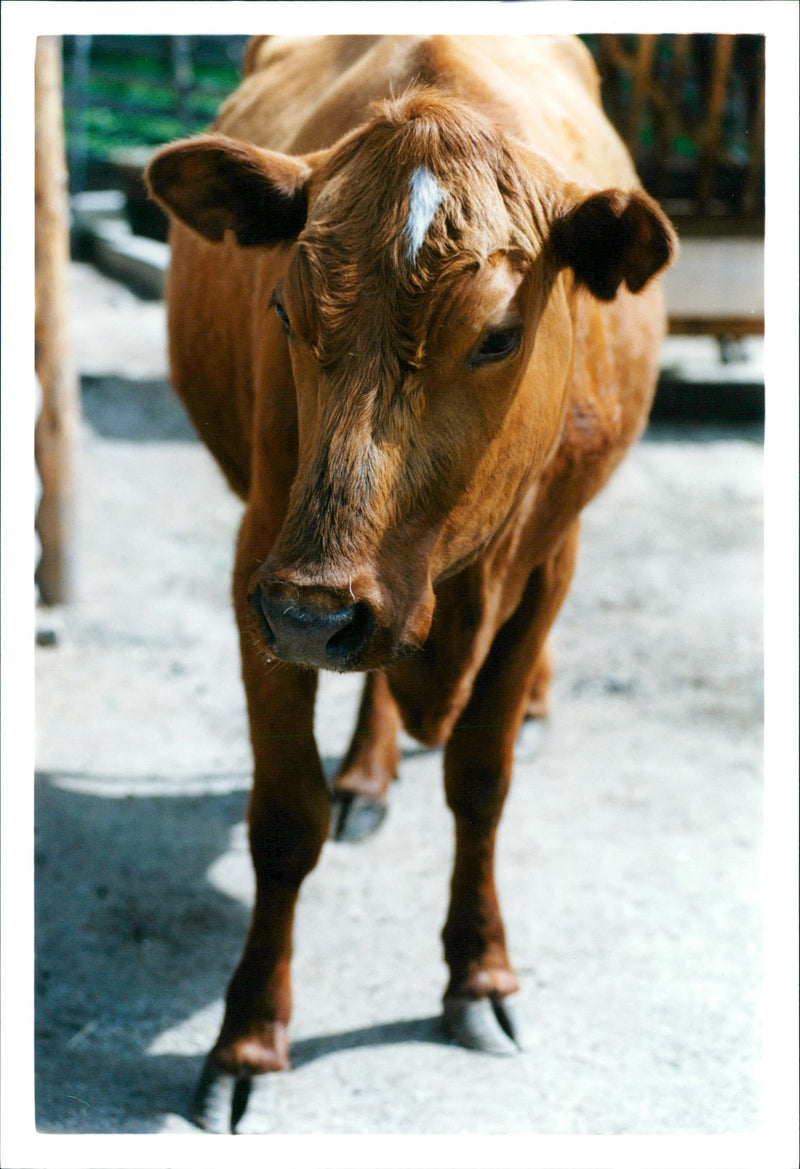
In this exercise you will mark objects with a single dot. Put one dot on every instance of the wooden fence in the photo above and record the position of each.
(691, 110)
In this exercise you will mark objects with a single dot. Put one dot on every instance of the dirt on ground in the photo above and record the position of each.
(629, 855)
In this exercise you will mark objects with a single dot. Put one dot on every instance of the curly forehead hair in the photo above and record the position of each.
(354, 251)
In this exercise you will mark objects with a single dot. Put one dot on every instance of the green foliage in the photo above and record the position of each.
(132, 92)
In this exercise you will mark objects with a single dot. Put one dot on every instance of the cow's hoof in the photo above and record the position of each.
(224, 1103)
(514, 1021)
(492, 1025)
(212, 1103)
(254, 1106)
(354, 817)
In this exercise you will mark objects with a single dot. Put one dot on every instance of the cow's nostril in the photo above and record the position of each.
(350, 639)
(304, 629)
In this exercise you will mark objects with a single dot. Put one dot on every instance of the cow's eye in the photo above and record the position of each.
(496, 346)
(283, 316)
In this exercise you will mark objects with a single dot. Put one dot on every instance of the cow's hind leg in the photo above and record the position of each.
(360, 788)
(539, 686)
(478, 762)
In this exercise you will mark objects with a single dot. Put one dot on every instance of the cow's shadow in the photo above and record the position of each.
(132, 940)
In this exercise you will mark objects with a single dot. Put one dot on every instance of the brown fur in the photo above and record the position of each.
(385, 464)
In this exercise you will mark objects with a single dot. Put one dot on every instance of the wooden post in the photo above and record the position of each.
(57, 425)
(710, 139)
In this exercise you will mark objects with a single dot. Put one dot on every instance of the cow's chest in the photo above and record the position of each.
(433, 687)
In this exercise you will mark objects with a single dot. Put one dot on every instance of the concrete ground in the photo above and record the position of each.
(629, 854)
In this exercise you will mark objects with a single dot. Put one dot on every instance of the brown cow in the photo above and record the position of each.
(402, 317)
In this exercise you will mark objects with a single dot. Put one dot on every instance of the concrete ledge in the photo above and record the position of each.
(716, 286)
(103, 233)
(137, 261)
(704, 379)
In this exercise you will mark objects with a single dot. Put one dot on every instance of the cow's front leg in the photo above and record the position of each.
(288, 819)
(478, 762)
(370, 765)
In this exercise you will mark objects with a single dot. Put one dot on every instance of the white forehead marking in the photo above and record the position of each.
(426, 195)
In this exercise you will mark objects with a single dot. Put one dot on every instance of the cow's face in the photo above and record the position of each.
(430, 342)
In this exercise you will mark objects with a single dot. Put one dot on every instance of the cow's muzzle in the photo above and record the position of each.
(313, 628)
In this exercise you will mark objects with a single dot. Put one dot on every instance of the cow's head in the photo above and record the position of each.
(430, 340)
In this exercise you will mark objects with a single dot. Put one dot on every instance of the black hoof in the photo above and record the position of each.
(493, 1025)
(224, 1103)
(212, 1103)
(354, 817)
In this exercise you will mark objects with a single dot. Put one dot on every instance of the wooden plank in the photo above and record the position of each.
(57, 425)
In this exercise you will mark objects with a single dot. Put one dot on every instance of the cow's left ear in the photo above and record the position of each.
(613, 237)
(215, 184)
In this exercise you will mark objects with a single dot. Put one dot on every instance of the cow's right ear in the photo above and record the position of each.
(216, 184)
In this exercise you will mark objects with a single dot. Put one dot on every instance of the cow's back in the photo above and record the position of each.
(302, 94)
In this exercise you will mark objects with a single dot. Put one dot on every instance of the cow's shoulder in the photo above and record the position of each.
(572, 55)
(610, 388)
